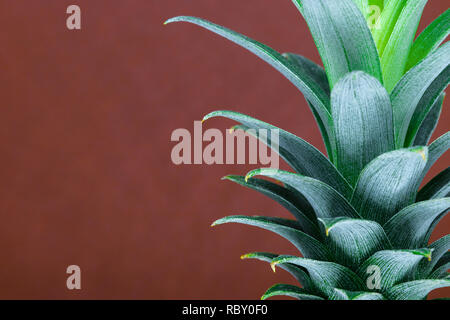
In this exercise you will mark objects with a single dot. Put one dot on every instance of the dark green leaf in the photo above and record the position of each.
(340, 294)
(418, 90)
(436, 149)
(326, 137)
(443, 260)
(310, 68)
(289, 291)
(432, 96)
(292, 201)
(325, 275)
(299, 154)
(352, 241)
(438, 187)
(317, 73)
(430, 39)
(326, 201)
(429, 124)
(440, 272)
(416, 290)
(288, 229)
(311, 90)
(342, 37)
(396, 266)
(299, 273)
(412, 226)
(389, 183)
(362, 115)
(440, 248)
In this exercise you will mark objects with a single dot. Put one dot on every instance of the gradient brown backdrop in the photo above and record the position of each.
(86, 117)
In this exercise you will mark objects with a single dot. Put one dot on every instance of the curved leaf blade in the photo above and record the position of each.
(436, 149)
(440, 272)
(363, 6)
(342, 37)
(310, 68)
(395, 266)
(417, 91)
(416, 290)
(430, 123)
(317, 73)
(288, 229)
(341, 294)
(412, 226)
(430, 39)
(438, 187)
(443, 260)
(326, 201)
(310, 89)
(396, 52)
(289, 291)
(429, 100)
(293, 202)
(299, 154)
(389, 183)
(326, 276)
(362, 116)
(440, 248)
(352, 241)
(297, 272)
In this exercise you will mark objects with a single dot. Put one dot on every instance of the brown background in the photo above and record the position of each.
(86, 176)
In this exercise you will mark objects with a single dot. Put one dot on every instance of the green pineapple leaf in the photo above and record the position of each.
(326, 201)
(430, 39)
(412, 226)
(436, 149)
(362, 116)
(396, 51)
(443, 260)
(325, 275)
(361, 207)
(317, 73)
(441, 272)
(352, 241)
(440, 248)
(288, 229)
(438, 187)
(429, 124)
(300, 155)
(396, 266)
(340, 294)
(292, 201)
(297, 272)
(312, 91)
(416, 290)
(363, 6)
(416, 93)
(289, 291)
(389, 183)
(342, 37)
(311, 69)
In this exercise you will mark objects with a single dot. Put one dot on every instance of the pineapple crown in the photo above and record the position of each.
(377, 101)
